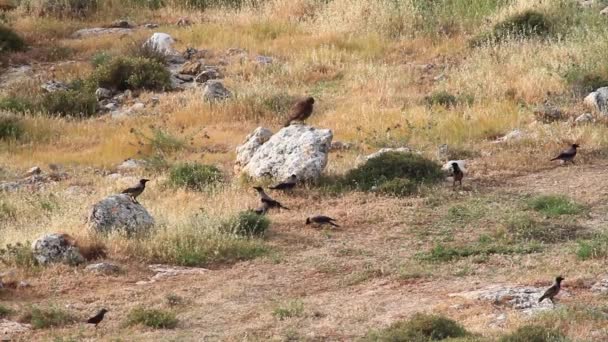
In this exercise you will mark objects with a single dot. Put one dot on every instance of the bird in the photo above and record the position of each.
(553, 290)
(457, 174)
(267, 201)
(289, 184)
(261, 210)
(136, 190)
(567, 155)
(321, 220)
(97, 318)
(301, 110)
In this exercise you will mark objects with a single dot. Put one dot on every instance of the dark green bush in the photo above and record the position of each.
(122, 73)
(100, 58)
(441, 98)
(41, 318)
(248, 223)
(17, 105)
(5, 311)
(419, 328)
(11, 128)
(398, 187)
(194, 176)
(77, 103)
(10, 41)
(392, 165)
(534, 333)
(527, 24)
(157, 319)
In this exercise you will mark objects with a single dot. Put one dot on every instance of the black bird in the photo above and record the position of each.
(301, 110)
(553, 290)
(136, 190)
(261, 210)
(97, 318)
(289, 184)
(567, 155)
(267, 200)
(321, 220)
(457, 174)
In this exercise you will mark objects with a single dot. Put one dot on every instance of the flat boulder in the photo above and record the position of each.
(297, 149)
(99, 31)
(119, 213)
(598, 100)
(56, 248)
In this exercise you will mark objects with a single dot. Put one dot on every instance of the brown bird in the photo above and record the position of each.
(136, 190)
(553, 290)
(301, 110)
(457, 174)
(97, 318)
(567, 155)
(261, 210)
(289, 184)
(267, 201)
(321, 220)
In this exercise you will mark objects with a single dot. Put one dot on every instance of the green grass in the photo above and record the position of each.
(135, 73)
(419, 328)
(153, 318)
(555, 205)
(534, 333)
(51, 317)
(5, 311)
(72, 102)
(195, 176)
(595, 248)
(248, 224)
(293, 308)
(18, 255)
(398, 187)
(441, 253)
(11, 128)
(524, 228)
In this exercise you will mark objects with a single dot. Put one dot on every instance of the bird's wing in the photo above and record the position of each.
(129, 190)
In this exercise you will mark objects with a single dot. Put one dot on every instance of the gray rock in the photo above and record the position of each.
(210, 73)
(584, 119)
(119, 213)
(9, 186)
(462, 164)
(215, 90)
(161, 42)
(601, 286)
(103, 93)
(548, 113)
(598, 100)
(264, 60)
(524, 299)
(604, 11)
(511, 136)
(36, 170)
(102, 268)
(53, 86)
(297, 149)
(131, 164)
(111, 106)
(253, 141)
(56, 248)
(98, 31)
(165, 271)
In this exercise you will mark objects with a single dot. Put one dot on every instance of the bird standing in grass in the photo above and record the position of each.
(289, 184)
(553, 290)
(321, 220)
(567, 155)
(301, 111)
(267, 201)
(97, 318)
(457, 174)
(136, 190)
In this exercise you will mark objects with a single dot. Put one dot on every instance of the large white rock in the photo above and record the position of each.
(52, 248)
(120, 213)
(161, 42)
(598, 100)
(297, 149)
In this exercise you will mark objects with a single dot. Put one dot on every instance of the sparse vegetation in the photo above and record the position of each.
(552, 205)
(441, 253)
(153, 318)
(5, 311)
(195, 176)
(527, 24)
(11, 128)
(49, 317)
(290, 309)
(594, 248)
(534, 333)
(135, 73)
(248, 224)
(76, 103)
(419, 328)
(18, 255)
(398, 187)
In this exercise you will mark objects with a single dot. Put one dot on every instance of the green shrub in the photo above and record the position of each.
(17, 105)
(140, 49)
(534, 333)
(194, 176)
(18, 255)
(555, 205)
(293, 308)
(10, 41)
(419, 328)
(593, 248)
(588, 78)
(527, 24)
(5, 311)
(392, 165)
(441, 98)
(122, 73)
(11, 128)
(157, 319)
(248, 223)
(76, 103)
(398, 187)
(42, 318)
(100, 58)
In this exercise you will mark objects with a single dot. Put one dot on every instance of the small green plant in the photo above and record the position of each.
(194, 176)
(10, 41)
(17, 105)
(441, 98)
(555, 205)
(293, 308)
(174, 300)
(441, 253)
(534, 333)
(11, 128)
(153, 318)
(76, 103)
(18, 255)
(142, 49)
(100, 58)
(595, 248)
(398, 187)
(248, 223)
(42, 318)
(5, 311)
(7, 211)
(523, 228)
(419, 328)
(135, 73)
(393, 165)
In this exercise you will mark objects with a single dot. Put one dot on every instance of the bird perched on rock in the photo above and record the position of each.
(136, 190)
(289, 184)
(97, 318)
(457, 174)
(321, 220)
(567, 155)
(301, 110)
(267, 201)
(553, 290)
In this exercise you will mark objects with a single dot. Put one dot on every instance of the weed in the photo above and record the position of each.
(398, 187)
(441, 98)
(100, 58)
(534, 333)
(419, 328)
(16, 104)
(5, 311)
(174, 300)
(135, 73)
(76, 103)
(194, 176)
(441, 253)
(153, 318)
(11, 128)
(293, 308)
(524, 228)
(248, 223)
(42, 318)
(18, 255)
(555, 205)
(527, 24)
(595, 248)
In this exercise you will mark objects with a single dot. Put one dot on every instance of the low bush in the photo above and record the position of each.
(534, 333)
(18, 255)
(194, 176)
(5, 311)
(75, 103)
(42, 318)
(441, 253)
(61, 8)
(294, 308)
(527, 24)
(555, 205)
(594, 248)
(10, 41)
(17, 105)
(419, 328)
(441, 98)
(248, 223)
(122, 73)
(11, 128)
(153, 318)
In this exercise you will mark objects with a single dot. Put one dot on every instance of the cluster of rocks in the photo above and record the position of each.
(34, 179)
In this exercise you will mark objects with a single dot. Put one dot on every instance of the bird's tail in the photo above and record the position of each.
(541, 299)
(283, 207)
(333, 224)
(556, 158)
(272, 187)
(287, 123)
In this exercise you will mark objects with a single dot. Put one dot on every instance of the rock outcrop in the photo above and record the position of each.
(120, 213)
(56, 248)
(598, 100)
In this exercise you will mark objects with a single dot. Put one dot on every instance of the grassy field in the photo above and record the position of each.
(383, 74)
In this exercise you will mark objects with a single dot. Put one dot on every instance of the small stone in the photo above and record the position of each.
(137, 107)
(111, 106)
(511, 136)
(102, 268)
(103, 93)
(192, 68)
(129, 165)
(584, 119)
(604, 11)
(33, 171)
(23, 284)
(215, 90)
(151, 26)
(53, 86)
(264, 60)
(209, 74)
